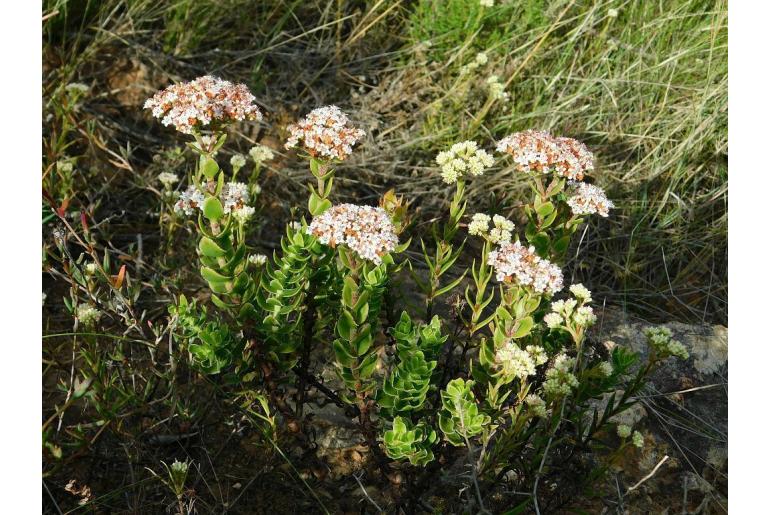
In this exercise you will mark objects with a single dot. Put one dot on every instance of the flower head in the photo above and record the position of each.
(606, 369)
(514, 262)
(559, 378)
(623, 430)
(580, 292)
(234, 196)
(368, 231)
(168, 179)
(189, 200)
(515, 361)
(553, 320)
(88, 315)
(536, 151)
(238, 161)
(536, 404)
(325, 132)
(257, 259)
(589, 199)
(464, 158)
(502, 231)
(637, 439)
(244, 213)
(479, 225)
(260, 153)
(203, 101)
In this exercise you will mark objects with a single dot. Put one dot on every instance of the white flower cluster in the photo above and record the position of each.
(368, 231)
(461, 159)
(500, 233)
(189, 200)
(623, 430)
(559, 379)
(168, 179)
(536, 151)
(487, 3)
(661, 339)
(637, 439)
(515, 262)
(480, 60)
(257, 259)
(325, 132)
(536, 404)
(517, 362)
(234, 196)
(88, 315)
(238, 161)
(496, 88)
(606, 368)
(572, 311)
(260, 153)
(198, 103)
(589, 199)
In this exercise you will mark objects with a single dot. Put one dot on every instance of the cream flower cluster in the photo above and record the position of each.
(238, 161)
(501, 231)
(536, 151)
(572, 312)
(462, 159)
(198, 103)
(368, 231)
(496, 88)
(257, 259)
(260, 153)
(168, 179)
(589, 199)
(515, 262)
(325, 132)
(536, 404)
(517, 362)
(88, 315)
(661, 339)
(559, 379)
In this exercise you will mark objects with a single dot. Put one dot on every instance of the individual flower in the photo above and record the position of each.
(257, 259)
(368, 231)
(514, 262)
(623, 430)
(88, 315)
(260, 153)
(189, 200)
(479, 225)
(537, 152)
(496, 88)
(502, 230)
(325, 133)
(637, 439)
(536, 404)
(589, 199)
(168, 179)
(203, 101)
(234, 196)
(462, 159)
(238, 161)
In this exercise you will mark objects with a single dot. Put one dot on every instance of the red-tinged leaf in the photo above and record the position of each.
(62, 210)
(118, 282)
(84, 221)
(48, 197)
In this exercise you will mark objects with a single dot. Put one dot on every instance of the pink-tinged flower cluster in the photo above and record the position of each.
(589, 199)
(202, 101)
(514, 262)
(325, 132)
(536, 151)
(368, 231)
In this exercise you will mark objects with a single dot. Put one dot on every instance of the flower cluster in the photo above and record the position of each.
(589, 199)
(88, 315)
(189, 200)
(257, 259)
(325, 132)
(496, 88)
(559, 379)
(198, 103)
(168, 179)
(517, 362)
(660, 339)
(461, 159)
(536, 151)
(260, 153)
(500, 233)
(515, 262)
(368, 231)
(234, 196)
(238, 161)
(536, 404)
